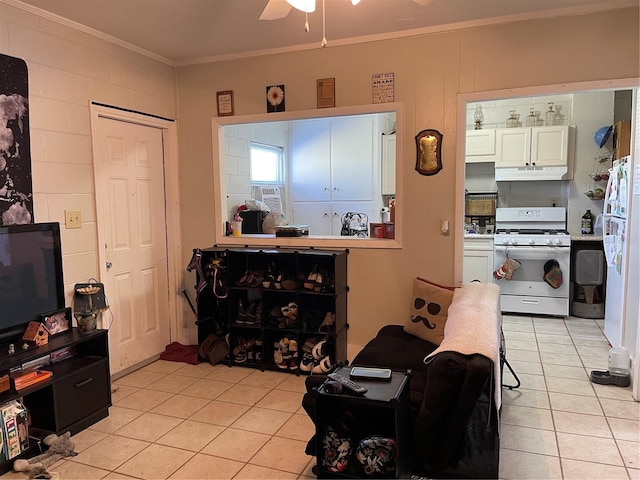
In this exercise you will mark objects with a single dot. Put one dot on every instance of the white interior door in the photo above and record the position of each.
(130, 202)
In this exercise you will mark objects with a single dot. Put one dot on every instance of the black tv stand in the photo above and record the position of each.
(75, 397)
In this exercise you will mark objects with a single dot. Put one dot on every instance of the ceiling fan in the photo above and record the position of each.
(276, 9)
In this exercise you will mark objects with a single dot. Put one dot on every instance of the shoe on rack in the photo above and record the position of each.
(288, 283)
(276, 317)
(240, 351)
(328, 323)
(241, 317)
(258, 350)
(324, 365)
(307, 346)
(307, 363)
(317, 285)
(310, 281)
(277, 353)
(320, 349)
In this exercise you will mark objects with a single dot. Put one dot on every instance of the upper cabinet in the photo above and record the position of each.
(389, 164)
(331, 171)
(534, 146)
(480, 146)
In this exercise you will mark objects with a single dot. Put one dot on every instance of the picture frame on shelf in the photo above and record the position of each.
(224, 101)
(326, 92)
(57, 321)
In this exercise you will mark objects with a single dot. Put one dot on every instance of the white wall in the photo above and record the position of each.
(68, 70)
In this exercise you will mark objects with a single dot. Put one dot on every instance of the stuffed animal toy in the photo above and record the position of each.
(59, 447)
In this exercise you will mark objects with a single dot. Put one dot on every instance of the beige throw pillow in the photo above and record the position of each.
(428, 313)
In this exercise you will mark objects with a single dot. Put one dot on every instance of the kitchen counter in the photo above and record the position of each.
(479, 235)
(586, 238)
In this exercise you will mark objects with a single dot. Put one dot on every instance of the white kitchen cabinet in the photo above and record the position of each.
(325, 218)
(478, 260)
(480, 146)
(310, 161)
(534, 147)
(330, 168)
(351, 158)
(388, 164)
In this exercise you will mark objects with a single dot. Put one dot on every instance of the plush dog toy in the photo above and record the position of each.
(59, 447)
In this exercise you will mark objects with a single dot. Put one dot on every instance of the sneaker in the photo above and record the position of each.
(320, 349)
(307, 363)
(323, 365)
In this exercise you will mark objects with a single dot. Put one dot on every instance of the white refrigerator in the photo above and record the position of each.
(615, 237)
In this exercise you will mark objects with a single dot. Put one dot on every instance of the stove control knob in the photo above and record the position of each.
(549, 242)
(531, 241)
(558, 241)
(514, 241)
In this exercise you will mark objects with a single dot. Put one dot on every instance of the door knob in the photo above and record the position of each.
(109, 265)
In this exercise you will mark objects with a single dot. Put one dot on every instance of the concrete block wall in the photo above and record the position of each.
(67, 70)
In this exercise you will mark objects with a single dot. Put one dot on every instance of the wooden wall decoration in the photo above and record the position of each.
(428, 152)
(16, 190)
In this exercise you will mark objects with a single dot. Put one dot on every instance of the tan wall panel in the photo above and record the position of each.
(430, 71)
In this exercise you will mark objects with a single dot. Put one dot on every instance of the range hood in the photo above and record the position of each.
(515, 174)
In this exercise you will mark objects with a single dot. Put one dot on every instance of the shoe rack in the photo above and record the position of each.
(278, 309)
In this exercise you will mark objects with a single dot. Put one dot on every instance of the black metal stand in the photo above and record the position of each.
(503, 361)
(511, 387)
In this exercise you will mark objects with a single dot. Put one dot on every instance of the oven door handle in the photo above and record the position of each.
(532, 253)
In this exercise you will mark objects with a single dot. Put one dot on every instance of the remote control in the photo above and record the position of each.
(348, 384)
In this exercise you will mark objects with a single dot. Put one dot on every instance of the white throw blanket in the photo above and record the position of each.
(474, 324)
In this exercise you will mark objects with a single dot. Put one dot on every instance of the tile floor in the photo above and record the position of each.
(179, 421)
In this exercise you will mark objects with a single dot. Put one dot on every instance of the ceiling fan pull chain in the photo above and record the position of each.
(306, 22)
(324, 38)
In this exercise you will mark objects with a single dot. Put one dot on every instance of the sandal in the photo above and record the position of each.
(288, 283)
(317, 286)
(310, 282)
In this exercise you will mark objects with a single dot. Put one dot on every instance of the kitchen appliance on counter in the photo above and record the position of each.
(535, 243)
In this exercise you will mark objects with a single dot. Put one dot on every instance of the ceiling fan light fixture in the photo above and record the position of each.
(307, 6)
(355, 2)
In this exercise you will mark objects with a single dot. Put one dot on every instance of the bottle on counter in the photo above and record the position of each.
(587, 223)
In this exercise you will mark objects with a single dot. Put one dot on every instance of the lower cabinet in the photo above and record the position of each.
(349, 427)
(478, 260)
(77, 395)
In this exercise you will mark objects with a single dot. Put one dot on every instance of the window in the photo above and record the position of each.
(266, 164)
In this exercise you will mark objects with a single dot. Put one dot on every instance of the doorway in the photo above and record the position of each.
(138, 253)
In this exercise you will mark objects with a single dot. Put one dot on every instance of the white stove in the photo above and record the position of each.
(536, 237)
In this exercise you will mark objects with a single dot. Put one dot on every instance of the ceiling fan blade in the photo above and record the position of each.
(275, 9)
(424, 3)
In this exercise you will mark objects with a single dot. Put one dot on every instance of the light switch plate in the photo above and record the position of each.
(73, 218)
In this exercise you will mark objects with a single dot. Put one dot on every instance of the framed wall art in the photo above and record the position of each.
(225, 103)
(57, 321)
(428, 152)
(275, 98)
(326, 92)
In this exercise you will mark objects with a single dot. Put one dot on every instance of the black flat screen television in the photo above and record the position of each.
(31, 280)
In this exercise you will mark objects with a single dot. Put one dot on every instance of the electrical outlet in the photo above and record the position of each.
(72, 219)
